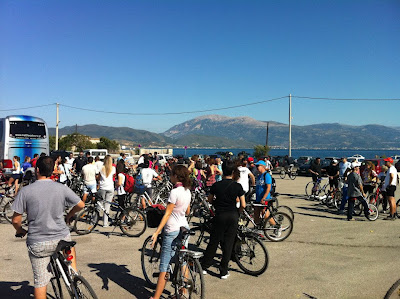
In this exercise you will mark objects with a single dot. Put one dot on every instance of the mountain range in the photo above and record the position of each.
(218, 131)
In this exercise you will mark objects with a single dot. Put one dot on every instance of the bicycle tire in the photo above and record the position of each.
(337, 199)
(308, 189)
(134, 224)
(374, 209)
(398, 208)
(199, 241)
(245, 254)
(8, 211)
(282, 174)
(284, 223)
(293, 175)
(150, 261)
(286, 210)
(86, 220)
(83, 288)
(358, 208)
(394, 291)
(187, 279)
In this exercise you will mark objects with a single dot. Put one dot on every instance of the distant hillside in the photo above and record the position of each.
(142, 137)
(249, 130)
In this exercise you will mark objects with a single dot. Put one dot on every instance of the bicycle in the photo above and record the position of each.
(7, 212)
(248, 251)
(358, 209)
(60, 264)
(130, 220)
(314, 189)
(292, 174)
(185, 273)
(276, 233)
(394, 291)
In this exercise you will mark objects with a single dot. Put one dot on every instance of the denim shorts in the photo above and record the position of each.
(168, 249)
(92, 188)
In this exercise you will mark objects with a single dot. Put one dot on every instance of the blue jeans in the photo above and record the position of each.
(344, 198)
(167, 249)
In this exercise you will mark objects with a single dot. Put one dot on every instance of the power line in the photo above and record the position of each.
(176, 113)
(14, 109)
(339, 99)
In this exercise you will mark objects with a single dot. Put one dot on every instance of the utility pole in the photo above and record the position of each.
(290, 125)
(266, 141)
(57, 122)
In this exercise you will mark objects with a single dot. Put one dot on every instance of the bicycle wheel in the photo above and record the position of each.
(394, 291)
(251, 255)
(282, 174)
(398, 208)
(83, 288)
(373, 210)
(86, 221)
(286, 210)
(190, 279)
(292, 175)
(8, 211)
(309, 189)
(358, 208)
(337, 199)
(199, 241)
(281, 230)
(150, 260)
(133, 222)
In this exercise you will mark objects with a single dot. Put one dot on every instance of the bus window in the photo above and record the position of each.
(27, 130)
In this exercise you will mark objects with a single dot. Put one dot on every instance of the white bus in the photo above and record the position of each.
(23, 135)
(102, 153)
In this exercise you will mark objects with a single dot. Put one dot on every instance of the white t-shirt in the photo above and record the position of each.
(388, 180)
(180, 197)
(141, 160)
(244, 178)
(107, 183)
(99, 165)
(147, 175)
(89, 174)
(69, 160)
(120, 189)
(65, 169)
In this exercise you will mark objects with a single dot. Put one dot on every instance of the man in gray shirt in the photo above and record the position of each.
(44, 203)
(355, 191)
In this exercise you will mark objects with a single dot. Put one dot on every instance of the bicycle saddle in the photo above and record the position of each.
(62, 245)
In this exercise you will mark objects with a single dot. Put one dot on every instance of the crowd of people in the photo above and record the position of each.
(227, 181)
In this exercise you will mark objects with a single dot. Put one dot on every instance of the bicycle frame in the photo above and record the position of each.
(62, 269)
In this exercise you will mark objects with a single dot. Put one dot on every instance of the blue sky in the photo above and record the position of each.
(169, 56)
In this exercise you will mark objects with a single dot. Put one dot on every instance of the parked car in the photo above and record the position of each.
(303, 159)
(356, 158)
(163, 158)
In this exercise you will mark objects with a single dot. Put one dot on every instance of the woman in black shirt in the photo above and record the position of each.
(223, 196)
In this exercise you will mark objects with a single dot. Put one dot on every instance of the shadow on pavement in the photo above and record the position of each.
(320, 210)
(120, 275)
(10, 289)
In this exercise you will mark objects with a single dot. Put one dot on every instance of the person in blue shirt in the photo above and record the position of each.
(263, 191)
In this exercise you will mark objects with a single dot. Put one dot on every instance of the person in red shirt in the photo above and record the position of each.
(34, 160)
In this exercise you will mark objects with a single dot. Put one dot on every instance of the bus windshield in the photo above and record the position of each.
(27, 130)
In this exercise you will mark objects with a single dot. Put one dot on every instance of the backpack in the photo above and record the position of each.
(129, 183)
(139, 186)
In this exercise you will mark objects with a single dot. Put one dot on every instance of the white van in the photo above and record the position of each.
(163, 158)
(102, 153)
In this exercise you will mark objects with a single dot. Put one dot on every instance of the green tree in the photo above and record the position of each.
(260, 151)
(80, 141)
(52, 142)
(108, 144)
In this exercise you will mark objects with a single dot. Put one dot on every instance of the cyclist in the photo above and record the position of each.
(316, 169)
(44, 202)
(227, 193)
(333, 173)
(245, 175)
(89, 178)
(178, 206)
(263, 191)
(390, 187)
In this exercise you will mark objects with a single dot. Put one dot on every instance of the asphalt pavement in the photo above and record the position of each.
(325, 257)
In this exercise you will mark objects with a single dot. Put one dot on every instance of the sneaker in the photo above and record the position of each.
(106, 225)
(225, 276)
(205, 272)
(390, 217)
(352, 219)
(278, 231)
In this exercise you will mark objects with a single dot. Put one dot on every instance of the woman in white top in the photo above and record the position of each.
(63, 170)
(106, 190)
(174, 218)
(16, 174)
(120, 183)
